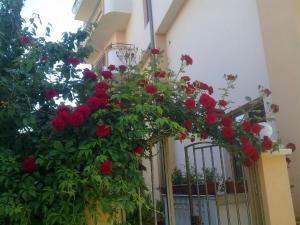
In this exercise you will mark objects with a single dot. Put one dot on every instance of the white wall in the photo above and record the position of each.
(222, 37)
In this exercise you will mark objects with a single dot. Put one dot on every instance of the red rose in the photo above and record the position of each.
(190, 103)
(291, 146)
(44, 58)
(119, 103)
(226, 121)
(231, 77)
(160, 74)
(231, 141)
(182, 136)
(29, 165)
(58, 123)
(244, 139)
(203, 86)
(154, 51)
(142, 83)
(211, 118)
(248, 163)
(76, 119)
(210, 90)
(85, 110)
(151, 89)
(105, 167)
(275, 108)
(89, 75)
(187, 59)
(73, 60)
(189, 89)
(106, 74)
(96, 103)
(228, 132)
(51, 93)
(223, 103)
(267, 92)
(187, 123)
(138, 150)
(101, 94)
(62, 108)
(246, 126)
(267, 143)
(255, 156)
(122, 68)
(208, 102)
(185, 78)
(204, 135)
(65, 115)
(103, 130)
(102, 85)
(111, 67)
(256, 128)
(24, 40)
(249, 149)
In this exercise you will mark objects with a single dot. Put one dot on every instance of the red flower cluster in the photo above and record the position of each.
(105, 167)
(29, 165)
(73, 60)
(228, 132)
(89, 75)
(223, 103)
(182, 136)
(185, 78)
(230, 77)
(291, 146)
(51, 93)
(211, 118)
(226, 121)
(187, 59)
(190, 103)
(111, 67)
(24, 40)
(160, 74)
(154, 51)
(255, 128)
(208, 102)
(267, 143)
(122, 68)
(44, 58)
(102, 85)
(103, 130)
(138, 150)
(204, 135)
(187, 123)
(106, 74)
(151, 89)
(275, 108)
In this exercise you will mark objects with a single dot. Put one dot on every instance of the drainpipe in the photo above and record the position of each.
(152, 35)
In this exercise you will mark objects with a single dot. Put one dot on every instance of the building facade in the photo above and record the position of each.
(258, 40)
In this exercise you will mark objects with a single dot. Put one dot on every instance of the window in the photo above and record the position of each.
(146, 15)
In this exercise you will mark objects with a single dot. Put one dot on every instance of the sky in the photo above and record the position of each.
(57, 12)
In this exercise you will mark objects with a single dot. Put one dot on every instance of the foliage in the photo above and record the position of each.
(57, 161)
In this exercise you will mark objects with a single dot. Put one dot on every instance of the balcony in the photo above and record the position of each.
(102, 18)
(116, 54)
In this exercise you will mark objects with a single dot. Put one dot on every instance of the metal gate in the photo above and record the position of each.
(218, 191)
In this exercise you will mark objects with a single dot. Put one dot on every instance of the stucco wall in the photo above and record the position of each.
(279, 21)
(222, 37)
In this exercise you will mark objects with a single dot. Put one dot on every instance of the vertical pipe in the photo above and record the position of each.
(152, 189)
(152, 35)
(197, 186)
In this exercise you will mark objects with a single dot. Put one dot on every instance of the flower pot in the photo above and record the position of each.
(239, 187)
(183, 189)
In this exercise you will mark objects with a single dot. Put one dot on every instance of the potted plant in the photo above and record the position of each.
(238, 186)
